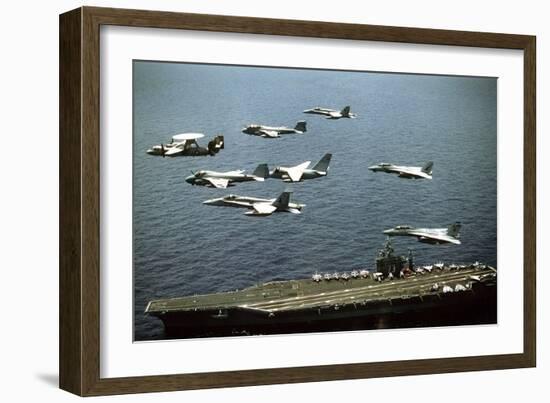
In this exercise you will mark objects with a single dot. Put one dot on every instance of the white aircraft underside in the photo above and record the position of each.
(331, 113)
(424, 172)
(436, 234)
(293, 174)
(257, 206)
(410, 171)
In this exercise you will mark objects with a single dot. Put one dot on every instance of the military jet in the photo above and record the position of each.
(274, 132)
(332, 113)
(257, 206)
(301, 172)
(185, 144)
(424, 172)
(229, 178)
(434, 236)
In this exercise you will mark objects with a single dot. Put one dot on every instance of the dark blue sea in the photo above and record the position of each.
(183, 247)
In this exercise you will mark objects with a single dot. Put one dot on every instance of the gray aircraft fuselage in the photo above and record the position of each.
(258, 206)
(199, 178)
(257, 130)
(434, 236)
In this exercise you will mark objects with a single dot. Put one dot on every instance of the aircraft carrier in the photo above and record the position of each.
(394, 294)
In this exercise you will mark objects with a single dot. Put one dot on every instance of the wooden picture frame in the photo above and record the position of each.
(80, 184)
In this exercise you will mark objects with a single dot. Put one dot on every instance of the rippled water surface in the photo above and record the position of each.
(183, 247)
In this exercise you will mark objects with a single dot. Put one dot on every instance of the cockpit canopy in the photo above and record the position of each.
(403, 227)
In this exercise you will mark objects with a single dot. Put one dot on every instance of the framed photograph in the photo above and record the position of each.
(249, 201)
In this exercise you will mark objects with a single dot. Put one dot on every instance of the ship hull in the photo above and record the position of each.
(471, 307)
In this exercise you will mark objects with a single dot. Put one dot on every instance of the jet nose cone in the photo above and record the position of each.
(190, 179)
(373, 167)
(388, 231)
(212, 201)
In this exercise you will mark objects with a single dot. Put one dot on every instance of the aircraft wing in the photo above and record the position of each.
(324, 111)
(295, 173)
(405, 174)
(269, 133)
(411, 173)
(174, 150)
(262, 209)
(219, 183)
(437, 237)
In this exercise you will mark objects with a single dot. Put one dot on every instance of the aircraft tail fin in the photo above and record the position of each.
(215, 145)
(345, 111)
(323, 164)
(454, 229)
(301, 126)
(283, 200)
(261, 171)
(427, 168)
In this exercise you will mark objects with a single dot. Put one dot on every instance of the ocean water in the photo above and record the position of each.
(183, 247)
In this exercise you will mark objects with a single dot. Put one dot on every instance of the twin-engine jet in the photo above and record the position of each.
(301, 172)
(257, 206)
(274, 132)
(229, 178)
(185, 144)
(434, 236)
(424, 172)
(332, 113)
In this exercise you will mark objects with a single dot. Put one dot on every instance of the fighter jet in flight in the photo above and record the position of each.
(301, 172)
(332, 113)
(424, 172)
(185, 144)
(274, 132)
(225, 179)
(257, 206)
(434, 236)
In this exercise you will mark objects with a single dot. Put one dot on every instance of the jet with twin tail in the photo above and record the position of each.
(434, 236)
(424, 172)
(229, 178)
(257, 206)
(332, 113)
